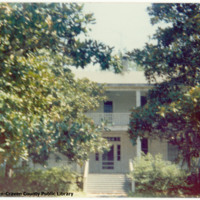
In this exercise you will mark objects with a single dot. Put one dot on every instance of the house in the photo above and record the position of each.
(123, 91)
(106, 172)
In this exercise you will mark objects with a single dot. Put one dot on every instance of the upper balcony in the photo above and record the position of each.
(124, 92)
(111, 119)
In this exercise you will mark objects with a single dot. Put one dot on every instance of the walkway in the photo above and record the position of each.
(106, 195)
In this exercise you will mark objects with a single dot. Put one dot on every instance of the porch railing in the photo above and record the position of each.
(113, 119)
(130, 171)
(85, 176)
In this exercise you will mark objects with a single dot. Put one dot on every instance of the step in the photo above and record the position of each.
(107, 183)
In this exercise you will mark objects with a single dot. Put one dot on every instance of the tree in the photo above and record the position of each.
(42, 106)
(172, 111)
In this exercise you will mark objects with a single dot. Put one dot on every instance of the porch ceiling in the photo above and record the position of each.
(122, 93)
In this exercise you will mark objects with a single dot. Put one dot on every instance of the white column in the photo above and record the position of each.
(138, 147)
(138, 98)
(138, 104)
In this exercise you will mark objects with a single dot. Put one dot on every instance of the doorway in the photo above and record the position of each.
(108, 159)
(111, 159)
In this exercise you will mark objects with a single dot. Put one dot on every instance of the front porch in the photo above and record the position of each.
(107, 172)
(117, 163)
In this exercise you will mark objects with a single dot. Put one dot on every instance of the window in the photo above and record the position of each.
(108, 155)
(144, 144)
(108, 107)
(97, 156)
(118, 152)
(172, 152)
(112, 138)
(143, 100)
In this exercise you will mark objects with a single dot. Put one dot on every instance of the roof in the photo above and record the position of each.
(134, 77)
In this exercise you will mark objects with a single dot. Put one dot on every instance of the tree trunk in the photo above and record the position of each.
(8, 170)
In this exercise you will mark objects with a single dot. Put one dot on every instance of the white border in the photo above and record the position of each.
(102, 1)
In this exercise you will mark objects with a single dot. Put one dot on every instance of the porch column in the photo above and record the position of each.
(138, 104)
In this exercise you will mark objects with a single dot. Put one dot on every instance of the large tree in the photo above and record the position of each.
(171, 63)
(42, 106)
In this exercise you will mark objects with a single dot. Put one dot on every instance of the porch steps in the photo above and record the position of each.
(108, 184)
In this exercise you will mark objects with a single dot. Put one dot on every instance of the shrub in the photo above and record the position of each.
(49, 180)
(194, 181)
(157, 176)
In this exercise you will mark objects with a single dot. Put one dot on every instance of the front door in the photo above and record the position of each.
(108, 159)
(111, 159)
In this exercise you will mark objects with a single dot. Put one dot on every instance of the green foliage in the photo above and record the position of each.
(173, 64)
(27, 27)
(153, 175)
(45, 113)
(49, 180)
(42, 106)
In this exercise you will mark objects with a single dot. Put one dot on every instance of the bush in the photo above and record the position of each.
(49, 180)
(153, 175)
(194, 182)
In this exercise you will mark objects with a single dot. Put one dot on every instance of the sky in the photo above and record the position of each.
(122, 25)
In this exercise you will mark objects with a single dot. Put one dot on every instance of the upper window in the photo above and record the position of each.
(108, 107)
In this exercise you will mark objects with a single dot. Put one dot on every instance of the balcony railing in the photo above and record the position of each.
(112, 119)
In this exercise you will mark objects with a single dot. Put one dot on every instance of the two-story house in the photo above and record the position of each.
(123, 93)
(106, 172)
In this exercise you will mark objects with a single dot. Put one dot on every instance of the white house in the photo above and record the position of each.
(107, 172)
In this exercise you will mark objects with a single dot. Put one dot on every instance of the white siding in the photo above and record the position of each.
(158, 147)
